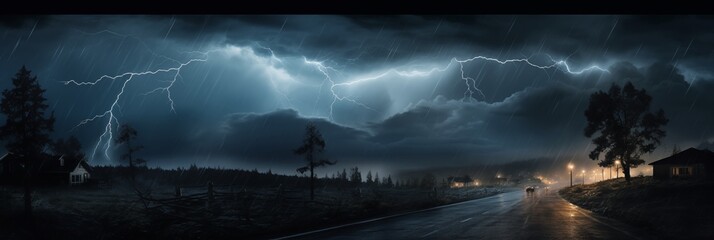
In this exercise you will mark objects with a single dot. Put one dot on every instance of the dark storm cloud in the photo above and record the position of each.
(379, 39)
(231, 109)
(269, 139)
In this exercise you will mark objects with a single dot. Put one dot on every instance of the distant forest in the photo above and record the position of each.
(195, 176)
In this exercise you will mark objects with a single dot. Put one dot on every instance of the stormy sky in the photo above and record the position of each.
(387, 92)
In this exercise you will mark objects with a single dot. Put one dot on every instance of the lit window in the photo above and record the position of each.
(681, 171)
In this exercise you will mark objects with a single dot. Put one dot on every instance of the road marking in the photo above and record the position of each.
(430, 233)
(466, 220)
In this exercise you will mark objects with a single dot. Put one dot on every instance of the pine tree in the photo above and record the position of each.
(26, 130)
(127, 134)
(355, 176)
(313, 144)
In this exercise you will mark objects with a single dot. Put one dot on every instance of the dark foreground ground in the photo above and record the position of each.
(257, 213)
(511, 215)
(672, 209)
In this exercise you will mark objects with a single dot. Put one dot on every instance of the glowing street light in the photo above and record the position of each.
(583, 176)
(571, 166)
(617, 167)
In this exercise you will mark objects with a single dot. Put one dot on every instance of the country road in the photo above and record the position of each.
(511, 215)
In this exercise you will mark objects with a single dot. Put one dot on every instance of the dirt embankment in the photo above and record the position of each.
(674, 209)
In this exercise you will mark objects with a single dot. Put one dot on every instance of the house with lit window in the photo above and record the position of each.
(464, 181)
(45, 170)
(690, 163)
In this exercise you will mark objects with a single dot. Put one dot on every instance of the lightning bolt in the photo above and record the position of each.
(127, 77)
(105, 139)
(335, 96)
(470, 82)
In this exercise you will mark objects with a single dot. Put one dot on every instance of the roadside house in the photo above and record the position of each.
(690, 163)
(464, 181)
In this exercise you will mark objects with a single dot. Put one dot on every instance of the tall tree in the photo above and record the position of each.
(127, 134)
(70, 148)
(27, 128)
(312, 146)
(355, 175)
(627, 128)
(343, 175)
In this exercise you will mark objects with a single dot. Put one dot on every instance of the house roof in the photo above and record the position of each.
(53, 164)
(689, 156)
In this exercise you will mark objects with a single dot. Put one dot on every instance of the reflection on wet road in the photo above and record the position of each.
(511, 215)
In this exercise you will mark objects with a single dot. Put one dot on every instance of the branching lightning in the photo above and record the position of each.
(104, 141)
(335, 96)
(127, 77)
(470, 82)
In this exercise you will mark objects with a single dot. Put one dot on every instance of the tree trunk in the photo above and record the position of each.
(131, 162)
(312, 183)
(28, 189)
(626, 171)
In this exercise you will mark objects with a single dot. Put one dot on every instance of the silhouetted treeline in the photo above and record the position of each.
(197, 176)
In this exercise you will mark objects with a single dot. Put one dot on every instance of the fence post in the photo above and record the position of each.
(178, 191)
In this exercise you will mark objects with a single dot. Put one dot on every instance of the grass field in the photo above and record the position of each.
(675, 209)
(119, 213)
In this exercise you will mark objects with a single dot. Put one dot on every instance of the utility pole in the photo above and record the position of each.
(570, 166)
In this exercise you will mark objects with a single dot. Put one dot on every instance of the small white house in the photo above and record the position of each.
(47, 169)
(65, 171)
(78, 175)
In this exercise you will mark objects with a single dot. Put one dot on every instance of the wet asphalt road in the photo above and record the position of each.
(511, 215)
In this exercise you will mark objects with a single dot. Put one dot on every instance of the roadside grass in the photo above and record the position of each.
(674, 209)
(117, 213)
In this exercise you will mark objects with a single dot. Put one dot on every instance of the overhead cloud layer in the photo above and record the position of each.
(388, 92)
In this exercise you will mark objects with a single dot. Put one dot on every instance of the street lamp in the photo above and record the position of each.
(583, 176)
(617, 167)
(571, 166)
